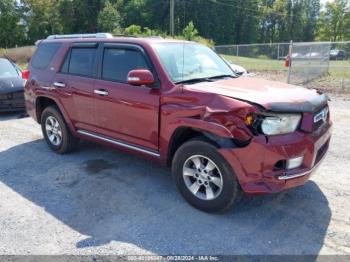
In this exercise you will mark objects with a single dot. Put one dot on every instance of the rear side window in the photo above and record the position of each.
(44, 55)
(118, 62)
(80, 61)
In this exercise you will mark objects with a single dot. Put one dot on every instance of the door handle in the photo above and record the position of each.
(101, 92)
(59, 84)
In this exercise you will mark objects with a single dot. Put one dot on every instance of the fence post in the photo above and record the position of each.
(290, 52)
(237, 50)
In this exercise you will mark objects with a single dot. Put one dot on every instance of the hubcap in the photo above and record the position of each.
(53, 130)
(202, 177)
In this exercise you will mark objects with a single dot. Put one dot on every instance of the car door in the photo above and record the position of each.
(75, 82)
(125, 112)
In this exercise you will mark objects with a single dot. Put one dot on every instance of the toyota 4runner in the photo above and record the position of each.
(180, 104)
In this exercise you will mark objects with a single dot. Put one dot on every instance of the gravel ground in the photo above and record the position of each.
(100, 200)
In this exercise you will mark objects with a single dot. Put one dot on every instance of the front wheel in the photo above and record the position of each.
(203, 176)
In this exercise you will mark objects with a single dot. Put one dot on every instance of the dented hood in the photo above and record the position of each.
(273, 96)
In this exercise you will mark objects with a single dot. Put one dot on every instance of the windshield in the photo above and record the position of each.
(186, 61)
(7, 69)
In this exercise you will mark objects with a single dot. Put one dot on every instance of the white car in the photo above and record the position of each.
(239, 70)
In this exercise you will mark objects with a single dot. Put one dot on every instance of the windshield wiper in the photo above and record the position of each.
(202, 79)
(194, 80)
(221, 76)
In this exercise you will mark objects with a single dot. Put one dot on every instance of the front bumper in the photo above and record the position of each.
(255, 164)
(13, 101)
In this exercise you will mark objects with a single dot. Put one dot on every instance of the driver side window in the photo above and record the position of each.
(118, 62)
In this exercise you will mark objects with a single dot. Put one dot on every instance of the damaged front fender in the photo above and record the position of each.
(217, 117)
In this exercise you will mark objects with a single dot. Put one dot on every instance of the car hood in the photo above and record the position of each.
(11, 84)
(272, 95)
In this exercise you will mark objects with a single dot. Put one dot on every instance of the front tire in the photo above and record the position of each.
(56, 133)
(203, 176)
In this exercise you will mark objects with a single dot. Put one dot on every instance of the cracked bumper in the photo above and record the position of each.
(255, 164)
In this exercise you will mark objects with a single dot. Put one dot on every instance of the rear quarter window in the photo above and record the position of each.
(44, 55)
(80, 61)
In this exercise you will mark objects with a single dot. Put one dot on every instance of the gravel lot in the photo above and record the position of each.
(100, 200)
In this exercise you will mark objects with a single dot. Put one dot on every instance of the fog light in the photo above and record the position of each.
(294, 162)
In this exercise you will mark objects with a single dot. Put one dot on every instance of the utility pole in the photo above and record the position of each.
(172, 4)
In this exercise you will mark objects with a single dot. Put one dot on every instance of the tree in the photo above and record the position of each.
(109, 18)
(190, 32)
(42, 18)
(133, 30)
(334, 22)
(11, 29)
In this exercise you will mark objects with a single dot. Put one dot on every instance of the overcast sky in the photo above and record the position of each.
(325, 1)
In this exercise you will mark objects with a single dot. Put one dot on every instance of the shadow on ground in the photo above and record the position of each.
(4, 116)
(113, 196)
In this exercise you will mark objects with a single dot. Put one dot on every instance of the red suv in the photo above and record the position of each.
(178, 103)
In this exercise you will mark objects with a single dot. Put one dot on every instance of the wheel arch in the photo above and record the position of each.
(42, 102)
(182, 134)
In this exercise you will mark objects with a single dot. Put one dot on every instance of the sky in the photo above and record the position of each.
(325, 1)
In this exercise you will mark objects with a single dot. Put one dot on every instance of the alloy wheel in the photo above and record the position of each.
(202, 177)
(53, 130)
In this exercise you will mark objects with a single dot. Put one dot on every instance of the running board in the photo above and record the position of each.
(119, 143)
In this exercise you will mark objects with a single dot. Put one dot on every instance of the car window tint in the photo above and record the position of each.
(44, 55)
(117, 63)
(64, 68)
(82, 61)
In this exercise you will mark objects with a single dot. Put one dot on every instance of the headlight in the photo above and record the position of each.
(275, 124)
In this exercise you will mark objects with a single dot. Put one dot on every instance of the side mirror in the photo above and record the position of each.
(139, 77)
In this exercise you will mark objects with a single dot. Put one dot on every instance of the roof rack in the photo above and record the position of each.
(97, 35)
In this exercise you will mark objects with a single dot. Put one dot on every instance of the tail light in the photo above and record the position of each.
(25, 74)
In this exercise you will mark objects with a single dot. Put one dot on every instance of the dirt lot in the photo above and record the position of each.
(102, 201)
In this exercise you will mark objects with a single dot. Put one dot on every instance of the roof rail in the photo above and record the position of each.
(97, 35)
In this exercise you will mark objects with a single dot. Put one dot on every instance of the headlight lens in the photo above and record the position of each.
(275, 124)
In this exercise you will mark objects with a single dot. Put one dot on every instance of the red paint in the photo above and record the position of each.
(140, 77)
(148, 117)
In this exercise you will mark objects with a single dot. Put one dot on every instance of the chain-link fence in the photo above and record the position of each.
(263, 51)
(323, 65)
(309, 61)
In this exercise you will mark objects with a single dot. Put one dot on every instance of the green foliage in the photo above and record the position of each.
(190, 32)
(225, 21)
(133, 30)
(109, 19)
(10, 28)
(334, 22)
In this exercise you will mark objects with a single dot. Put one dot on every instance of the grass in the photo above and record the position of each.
(257, 64)
(338, 77)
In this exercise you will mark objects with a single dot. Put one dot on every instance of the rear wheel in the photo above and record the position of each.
(203, 176)
(55, 131)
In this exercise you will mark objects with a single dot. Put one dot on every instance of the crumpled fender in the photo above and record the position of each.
(217, 115)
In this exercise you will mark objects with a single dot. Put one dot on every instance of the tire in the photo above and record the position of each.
(64, 141)
(186, 159)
